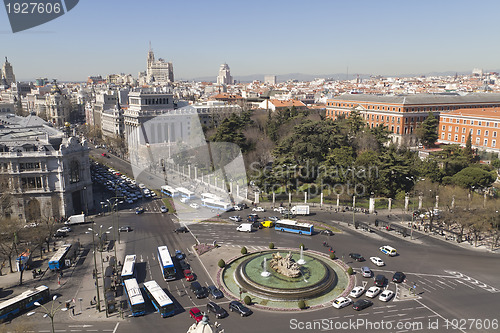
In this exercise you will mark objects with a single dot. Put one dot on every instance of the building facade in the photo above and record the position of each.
(8, 72)
(159, 71)
(483, 125)
(403, 114)
(44, 174)
(224, 77)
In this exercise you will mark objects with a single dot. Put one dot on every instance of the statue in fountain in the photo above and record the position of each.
(285, 266)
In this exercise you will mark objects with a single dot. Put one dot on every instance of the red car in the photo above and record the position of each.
(188, 275)
(196, 314)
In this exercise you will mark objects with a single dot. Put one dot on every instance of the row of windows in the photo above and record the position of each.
(471, 122)
(414, 109)
(28, 183)
(29, 166)
(478, 140)
(478, 132)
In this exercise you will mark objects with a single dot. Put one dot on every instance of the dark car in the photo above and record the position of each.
(215, 308)
(356, 256)
(326, 232)
(361, 304)
(60, 234)
(181, 230)
(184, 265)
(379, 280)
(125, 229)
(216, 293)
(242, 206)
(398, 277)
(179, 255)
(257, 225)
(198, 290)
(139, 210)
(240, 308)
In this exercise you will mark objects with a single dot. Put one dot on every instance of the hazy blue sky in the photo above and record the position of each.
(99, 37)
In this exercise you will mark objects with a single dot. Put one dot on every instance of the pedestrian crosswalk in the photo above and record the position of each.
(249, 247)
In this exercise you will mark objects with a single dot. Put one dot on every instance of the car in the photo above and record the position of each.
(240, 308)
(184, 265)
(356, 256)
(341, 302)
(63, 229)
(216, 293)
(188, 275)
(196, 314)
(379, 280)
(366, 272)
(326, 232)
(59, 234)
(129, 200)
(389, 250)
(31, 225)
(104, 155)
(362, 304)
(377, 261)
(279, 209)
(179, 255)
(194, 205)
(398, 277)
(218, 310)
(258, 209)
(125, 229)
(372, 292)
(242, 206)
(357, 291)
(198, 290)
(163, 209)
(257, 225)
(139, 210)
(273, 218)
(386, 295)
(235, 218)
(181, 230)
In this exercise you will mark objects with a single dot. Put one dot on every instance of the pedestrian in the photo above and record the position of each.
(73, 311)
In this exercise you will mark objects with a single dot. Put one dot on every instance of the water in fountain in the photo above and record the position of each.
(301, 261)
(265, 273)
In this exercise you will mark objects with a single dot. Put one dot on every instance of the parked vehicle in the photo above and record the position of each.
(300, 210)
(218, 310)
(240, 308)
(245, 227)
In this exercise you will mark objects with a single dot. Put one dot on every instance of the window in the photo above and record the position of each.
(485, 142)
(28, 183)
(486, 133)
(449, 136)
(29, 166)
(442, 136)
(463, 138)
(493, 143)
(456, 128)
(480, 123)
(463, 129)
(494, 134)
(477, 141)
(444, 128)
(472, 122)
(487, 124)
(74, 172)
(478, 132)
(449, 128)
(456, 137)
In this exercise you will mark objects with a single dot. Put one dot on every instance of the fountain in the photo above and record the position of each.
(265, 273)
(301, 261)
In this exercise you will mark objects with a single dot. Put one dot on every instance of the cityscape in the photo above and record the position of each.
(212, 177)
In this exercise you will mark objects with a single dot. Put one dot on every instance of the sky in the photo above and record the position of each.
(101, 37)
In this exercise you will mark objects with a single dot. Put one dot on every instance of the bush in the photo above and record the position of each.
(271, 246)
(332, 256)
(302, 246)
(302, 305)
(350, 271)
(247, 300)
(221, 263)
(244, 250)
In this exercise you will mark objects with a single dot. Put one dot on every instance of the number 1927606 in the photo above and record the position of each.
(33, 8)
(471, 324)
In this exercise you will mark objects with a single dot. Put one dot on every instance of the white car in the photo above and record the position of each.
(372, 292)
(386, 295)
(377, 261)
(356, 292)
(194, 205)
(64, 229)
(341, 302)
(235, 218)
(258, 209)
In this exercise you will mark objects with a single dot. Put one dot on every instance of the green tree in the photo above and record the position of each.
(427, 132)
(474, 177)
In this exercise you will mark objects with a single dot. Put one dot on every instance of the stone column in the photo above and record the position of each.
(305, 197)
(420, 202)
(390, 205)
(371, 209)
(338, 201)
(321, 200)
(274, 199)
(407, 202)
(437, 201)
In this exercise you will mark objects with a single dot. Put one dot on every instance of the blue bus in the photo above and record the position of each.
(23, 302)
(166, 264)
(294, 226)
(159, 298)
(57, 260)
(170, 191)
(128, 267)
(134, 297)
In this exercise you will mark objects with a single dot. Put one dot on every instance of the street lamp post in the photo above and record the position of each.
(98, 306)
(100, 234)
(52, 312)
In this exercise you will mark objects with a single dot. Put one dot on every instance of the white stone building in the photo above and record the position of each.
(224, 77)
(8, 72)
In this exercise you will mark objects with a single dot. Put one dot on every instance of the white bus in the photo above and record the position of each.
(128, 267)
(185, 193)
(159, 298)
(134, 297)
(215, 204)
(170, 191)
(166, 264)
(210, 196)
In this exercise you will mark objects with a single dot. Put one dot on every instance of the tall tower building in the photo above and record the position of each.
(158, 71)
(224, 75)
(8, 72)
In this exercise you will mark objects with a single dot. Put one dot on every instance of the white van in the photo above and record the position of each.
(247, 227)
(389, 250)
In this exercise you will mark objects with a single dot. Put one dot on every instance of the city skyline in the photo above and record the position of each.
(388, 38)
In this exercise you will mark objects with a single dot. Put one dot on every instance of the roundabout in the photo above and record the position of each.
(278, 279)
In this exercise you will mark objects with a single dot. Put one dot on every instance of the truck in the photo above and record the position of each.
(245, 227)
(76, 219)
(300, 210)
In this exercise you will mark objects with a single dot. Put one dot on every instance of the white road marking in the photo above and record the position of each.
(116, 327)
(428, 308)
